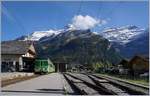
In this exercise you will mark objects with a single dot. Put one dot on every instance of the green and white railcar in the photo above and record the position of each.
(43, 66)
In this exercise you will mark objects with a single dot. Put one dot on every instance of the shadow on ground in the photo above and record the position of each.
(56, 91)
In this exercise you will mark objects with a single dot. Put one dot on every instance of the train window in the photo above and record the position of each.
(44, 63)
(37, 63)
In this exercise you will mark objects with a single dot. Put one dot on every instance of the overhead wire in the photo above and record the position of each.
(13, 18)
(110, 11)
(99, 10)
(80, 7)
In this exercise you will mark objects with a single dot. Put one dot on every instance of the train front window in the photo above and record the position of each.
(37, 63)
(45, 63)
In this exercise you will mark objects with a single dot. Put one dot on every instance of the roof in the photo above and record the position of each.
(123, 61)
(15, 47)
(139, 57)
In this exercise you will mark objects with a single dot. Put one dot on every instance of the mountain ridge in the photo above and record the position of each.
(82, 46)
(129, 42)
(124, 39)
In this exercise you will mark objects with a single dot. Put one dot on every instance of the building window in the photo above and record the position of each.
(7, 67)
(4, 67)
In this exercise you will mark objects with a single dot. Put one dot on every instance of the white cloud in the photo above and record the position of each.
(102, 22)
(86, 22)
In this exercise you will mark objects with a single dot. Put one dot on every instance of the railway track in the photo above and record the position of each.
(89, 84)
(131, 88)
(84, 87)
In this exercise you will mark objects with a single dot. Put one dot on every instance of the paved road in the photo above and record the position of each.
(51, 84)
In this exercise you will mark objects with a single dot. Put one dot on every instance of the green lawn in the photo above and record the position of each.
(142, 81)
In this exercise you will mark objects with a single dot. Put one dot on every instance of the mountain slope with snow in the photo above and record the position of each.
(80, 46)
(128, 40)
(122, 35)
(37, 35)
(46, 35)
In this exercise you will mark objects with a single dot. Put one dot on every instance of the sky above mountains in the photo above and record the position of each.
(22, 18)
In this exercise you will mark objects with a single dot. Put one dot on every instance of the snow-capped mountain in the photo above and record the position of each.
(37, 35)
(69, 27)
(46, 35)
(122, 35)
(128, 40)
(79, 45)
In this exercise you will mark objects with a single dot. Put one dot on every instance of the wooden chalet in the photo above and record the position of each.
(139, 64)
(17, 56)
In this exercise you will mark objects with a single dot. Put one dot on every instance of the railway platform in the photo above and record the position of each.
(12, 75)
(50, 84)
(72, 84)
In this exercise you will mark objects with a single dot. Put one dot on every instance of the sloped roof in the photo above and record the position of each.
(139, 57)
(15, 47)
(124, 61)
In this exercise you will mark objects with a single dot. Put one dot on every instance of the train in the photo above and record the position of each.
(43, 66)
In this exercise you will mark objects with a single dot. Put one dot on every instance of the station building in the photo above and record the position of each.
(139, 64)
(17, 56)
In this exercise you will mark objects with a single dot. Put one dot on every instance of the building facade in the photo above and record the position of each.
(139, 64)
(17, 56)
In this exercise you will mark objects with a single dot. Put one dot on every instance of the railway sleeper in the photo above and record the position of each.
(76, 90)
(83, 88)
(100, 89)
(130, 88)
(86, 89)
(106, 84)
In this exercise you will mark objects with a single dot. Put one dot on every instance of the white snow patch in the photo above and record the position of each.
(123, 35)
(35, 36)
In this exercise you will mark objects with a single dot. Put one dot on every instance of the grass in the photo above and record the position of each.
(142, 81)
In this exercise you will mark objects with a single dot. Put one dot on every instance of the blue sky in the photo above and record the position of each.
(22, 18)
